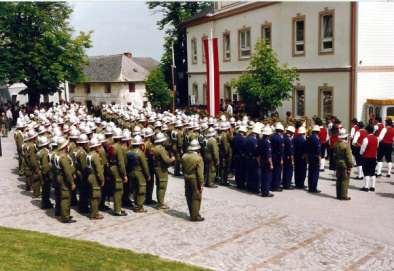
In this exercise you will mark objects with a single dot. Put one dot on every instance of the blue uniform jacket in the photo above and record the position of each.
(277, 145)
(289, 148)
(313, 146)
(299, 147)
(265, 151)
(251, 146)
(238, 144)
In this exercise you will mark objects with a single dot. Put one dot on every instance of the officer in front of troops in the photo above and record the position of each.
(33, 168)
(277, 157)
(193, 171)
(161, 162)
(18, 136)
(344, 163)
(118, 171)
(177, 144)
(65, 179)
(139, 173)
(288, 158)
(95, 177)
(42, 157)
(238, 143)
(224, 153)
(313, 158)
(211, 152)
(266, 165)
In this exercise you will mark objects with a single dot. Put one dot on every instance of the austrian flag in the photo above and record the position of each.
(212, 61)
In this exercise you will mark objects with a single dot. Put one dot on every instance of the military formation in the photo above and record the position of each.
(85, 160)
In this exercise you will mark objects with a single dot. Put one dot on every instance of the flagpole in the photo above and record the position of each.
(173, 80)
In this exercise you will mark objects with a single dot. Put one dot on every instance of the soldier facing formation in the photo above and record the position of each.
(125, 153)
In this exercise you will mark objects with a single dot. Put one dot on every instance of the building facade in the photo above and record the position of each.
(341, 49)
(114, 79)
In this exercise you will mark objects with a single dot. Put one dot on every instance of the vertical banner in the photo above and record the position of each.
(213, 85)
(174, 90)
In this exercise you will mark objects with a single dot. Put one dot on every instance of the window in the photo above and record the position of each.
(235, 97)
(244, 43)
(377, 111)
(299, 100)
(194, 50)
(71, 88)
(298, 39)
(203, 48)
(87, 88)
(226, 47)
(195, 94)
(131, 87)
(128, 103)
(227, 92)
(107, 87)
(204, 93)
(113, 103)
(326, 32)
(326, 101)
(266, 33)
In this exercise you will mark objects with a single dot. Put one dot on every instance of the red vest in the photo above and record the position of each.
(380, 128)
(363, 134)
(333, 140)
(388, 137)
(323, 135)
(372, 148)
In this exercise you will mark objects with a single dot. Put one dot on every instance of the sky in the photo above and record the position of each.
(119, 27)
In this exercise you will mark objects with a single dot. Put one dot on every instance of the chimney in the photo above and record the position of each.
(129, 55)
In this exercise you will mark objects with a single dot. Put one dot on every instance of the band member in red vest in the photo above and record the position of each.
(369, 151)
(378, 126)
(333, 139)
(324, 138)
(356, 143)
(385, 148)
(353, 131)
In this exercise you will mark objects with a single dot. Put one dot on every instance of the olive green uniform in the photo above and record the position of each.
(65, 180)
(81, 171)
(149, 150)
(211, 152)
(70, 150)
(193, 172)
(225, 156)
(106, 189)
(126, 186)
(96, 179)
(161, 162)
(139, 175)
(53, 173)
(19, 142)
(118, 172)
(344, 161)
(33, 168)
(177, 144)
(42, 157)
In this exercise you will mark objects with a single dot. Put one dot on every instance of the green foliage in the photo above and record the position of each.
(157, 90)
(38, 47)
(27, 250)
(265, 80)
(174, 13)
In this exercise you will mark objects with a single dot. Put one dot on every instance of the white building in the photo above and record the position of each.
(114, 79)
(343, 51)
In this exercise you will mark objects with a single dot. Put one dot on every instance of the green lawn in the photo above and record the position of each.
(27, 250)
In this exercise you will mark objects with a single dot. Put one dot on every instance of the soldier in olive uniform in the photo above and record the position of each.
(106, 189)
(33, 168)
(65, 179)
(96, 177)
(19, 142)
(79, 157)
(53, 173)
(42, 157)
(177, 144)
(118, 171)
(344, 163)
(224, 153)
(211, 152)
(161, 162)
(148, 150)
(139, 173)
(126, 186)
(193, 171)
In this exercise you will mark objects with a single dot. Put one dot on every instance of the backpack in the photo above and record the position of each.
(131, 160)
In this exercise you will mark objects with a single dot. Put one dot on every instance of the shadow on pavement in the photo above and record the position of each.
(386, 195)
(323, 195)
(178, 214)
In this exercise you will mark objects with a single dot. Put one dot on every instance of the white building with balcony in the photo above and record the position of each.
(342, 50)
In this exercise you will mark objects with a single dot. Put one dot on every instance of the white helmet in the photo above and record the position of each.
(194, 145)
(43, 141)
(109, 131)
(267, 130)
(291, 129)
(242, 129)
(160, 137)
(102, 138)
(178, 123)
(149, 132)
(211, 132)
(118, 133)
(316, 128)
(137, 140)
(279, 126)
(232, 120)
(256, 130)
(301, 130)
(164, 127)
(74, 134)
(126, 135)
(31, 134)
(61, 143)
(83, 138)
(137, 130)
(94, 142)
(342, 133)
(204, 126)
(157, 124)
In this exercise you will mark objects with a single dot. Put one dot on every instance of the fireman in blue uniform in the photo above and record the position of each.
(239, 161)
(252, 168)
(313, 156)
(266, 162)
(277, 157)
(288, 159)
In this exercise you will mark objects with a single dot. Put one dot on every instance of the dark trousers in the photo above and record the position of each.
(385, 150)
(299, 171)
(369, 165)
(266, 179)
(287, 173)
(253, 174)
(276, 173)
(357, 155)
(239, 165)
(313, 173)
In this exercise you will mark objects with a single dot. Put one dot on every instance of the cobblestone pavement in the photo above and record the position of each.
(292, 231)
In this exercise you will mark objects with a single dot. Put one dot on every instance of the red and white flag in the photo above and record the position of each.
(212, 61)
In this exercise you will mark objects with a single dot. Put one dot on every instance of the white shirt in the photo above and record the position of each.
(375, 128)
(356, 137)
(352, 132)
(382, 134)
(9, 114)
(230, 109)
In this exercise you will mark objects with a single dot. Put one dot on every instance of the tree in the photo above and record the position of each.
(174, 14)
(265, 81)
(37, 47)
(157, 90)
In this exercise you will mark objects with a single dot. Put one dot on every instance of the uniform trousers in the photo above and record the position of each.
(266, 178)
(300, 167)
(369, 165)
(313, 172)
(287, 172)
(277, 172)
(239, 164)
(385, 150)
